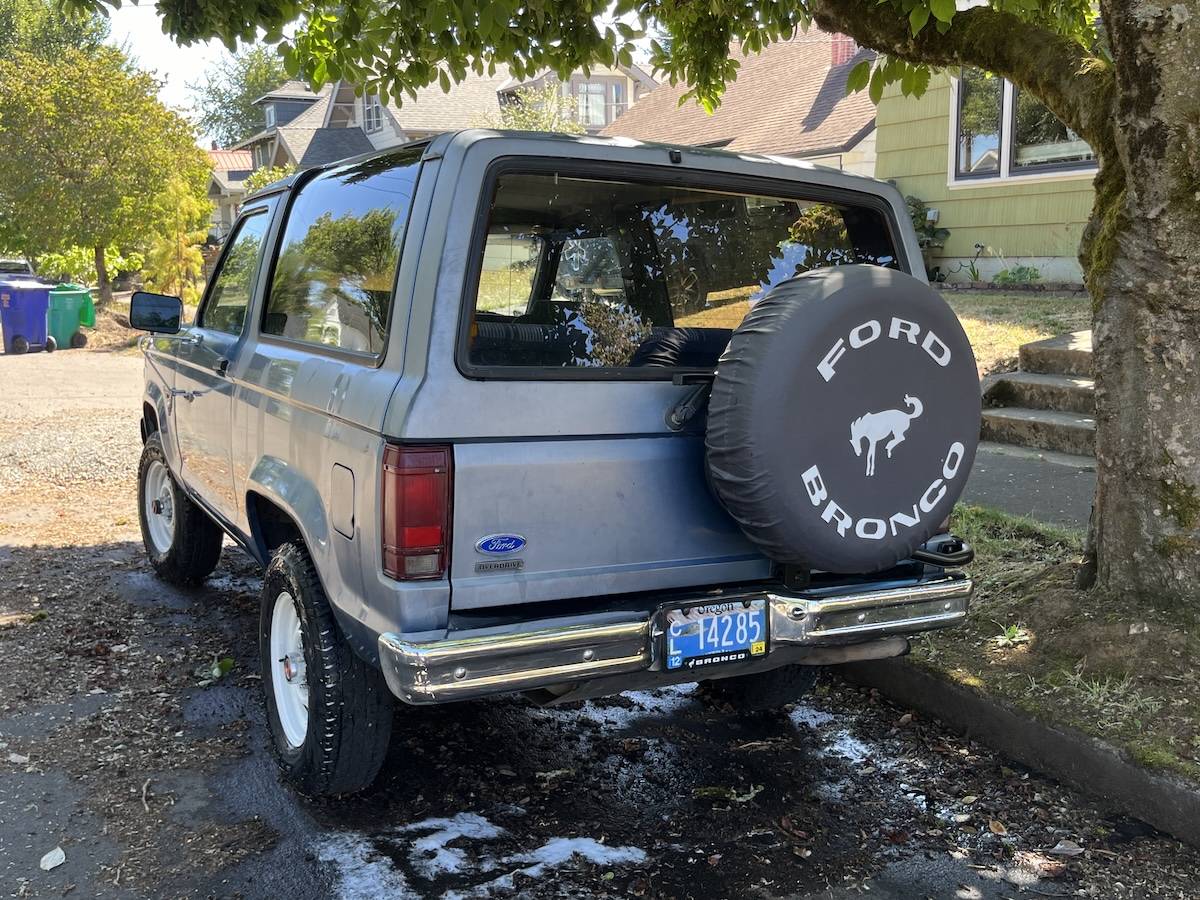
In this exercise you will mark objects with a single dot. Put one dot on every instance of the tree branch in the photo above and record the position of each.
(1077, 86)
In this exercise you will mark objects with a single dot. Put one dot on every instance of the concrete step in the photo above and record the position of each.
(1066, 354)
(1032, 390)
(1041, 428)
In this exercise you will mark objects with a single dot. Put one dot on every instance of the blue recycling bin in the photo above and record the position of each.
(24, 305)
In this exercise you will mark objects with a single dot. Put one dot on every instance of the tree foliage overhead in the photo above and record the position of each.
(224, 97)
(37, 27)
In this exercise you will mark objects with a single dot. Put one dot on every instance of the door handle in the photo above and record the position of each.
(222, 366)
(191, 340)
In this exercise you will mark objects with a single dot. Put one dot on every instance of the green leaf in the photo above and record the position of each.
(876, 90)
(943, 10)
(858, 77)
(920, 80)
(917, 18)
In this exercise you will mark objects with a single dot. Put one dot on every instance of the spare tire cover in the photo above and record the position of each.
(844, 418)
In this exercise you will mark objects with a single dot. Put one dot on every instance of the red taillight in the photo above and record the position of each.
(416, 512)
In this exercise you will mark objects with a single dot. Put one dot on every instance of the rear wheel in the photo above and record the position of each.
(20, 345)
(51, 344)
(78, 340)
(330, 712)
(183, 543)
(763, 691)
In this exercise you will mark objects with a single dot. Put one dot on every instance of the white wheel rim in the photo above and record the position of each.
(159, 501)
(289, 680)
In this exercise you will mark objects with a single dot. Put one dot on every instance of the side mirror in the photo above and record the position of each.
(155, 312)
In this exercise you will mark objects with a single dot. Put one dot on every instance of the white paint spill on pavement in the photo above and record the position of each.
(553, 854)
(431, 856)
(661, 702)
(362, 872)
(803, 714)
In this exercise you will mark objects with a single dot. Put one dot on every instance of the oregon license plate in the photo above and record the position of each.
(716, 633)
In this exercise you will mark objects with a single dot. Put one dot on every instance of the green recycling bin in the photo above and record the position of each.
(70, 308)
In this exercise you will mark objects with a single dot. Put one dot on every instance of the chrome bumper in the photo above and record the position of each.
(550, 652)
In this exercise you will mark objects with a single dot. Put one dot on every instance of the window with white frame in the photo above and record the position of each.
(372, 113)
(592, 101)
(1001, 132)
(269, 114)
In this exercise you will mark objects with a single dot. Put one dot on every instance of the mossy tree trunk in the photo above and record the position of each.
(1142, 258)
(1140, 255)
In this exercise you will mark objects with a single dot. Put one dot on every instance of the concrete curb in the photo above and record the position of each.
(1094, 768)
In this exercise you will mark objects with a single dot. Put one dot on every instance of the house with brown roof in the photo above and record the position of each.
(227, 186)
(789, 100)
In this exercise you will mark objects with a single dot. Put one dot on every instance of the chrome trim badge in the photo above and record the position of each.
(500, 544)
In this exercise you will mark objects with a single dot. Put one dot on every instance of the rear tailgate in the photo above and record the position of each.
(597, 517)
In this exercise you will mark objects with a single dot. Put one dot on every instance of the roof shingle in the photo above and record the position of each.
(787, 100)
(469, 104)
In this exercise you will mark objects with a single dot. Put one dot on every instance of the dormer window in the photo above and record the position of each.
(269, 114)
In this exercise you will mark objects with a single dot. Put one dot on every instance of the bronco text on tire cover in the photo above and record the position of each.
(844, 419)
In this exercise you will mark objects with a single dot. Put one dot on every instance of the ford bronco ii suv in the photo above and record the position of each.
(510, 412)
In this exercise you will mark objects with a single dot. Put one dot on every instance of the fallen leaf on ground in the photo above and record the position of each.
(1065, 848)
(1039, 864)
(53, 859)
(995, 826)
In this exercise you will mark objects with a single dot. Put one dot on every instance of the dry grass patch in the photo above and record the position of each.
(997, 324)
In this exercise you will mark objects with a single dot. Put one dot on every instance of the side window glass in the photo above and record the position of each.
(233, 285)
(336, 270)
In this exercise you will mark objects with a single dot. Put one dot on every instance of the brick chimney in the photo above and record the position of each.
(842, 49)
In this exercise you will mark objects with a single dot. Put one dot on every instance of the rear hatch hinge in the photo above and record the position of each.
(693, 401)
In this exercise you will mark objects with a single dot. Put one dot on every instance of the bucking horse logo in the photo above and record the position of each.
(874, 427)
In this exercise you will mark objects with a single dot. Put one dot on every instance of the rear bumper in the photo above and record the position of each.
(562, 651)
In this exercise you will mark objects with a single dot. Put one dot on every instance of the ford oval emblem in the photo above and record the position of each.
(500, 544)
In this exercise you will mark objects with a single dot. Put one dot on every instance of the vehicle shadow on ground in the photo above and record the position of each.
(156, 777)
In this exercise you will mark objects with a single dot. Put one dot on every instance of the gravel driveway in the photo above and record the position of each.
(120, 746)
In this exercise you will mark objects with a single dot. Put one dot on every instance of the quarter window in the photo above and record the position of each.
(335, 274)
(1002, 132)
(233, 286)
(583, 273)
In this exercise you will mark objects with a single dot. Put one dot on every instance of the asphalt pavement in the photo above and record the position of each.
(1047, 486)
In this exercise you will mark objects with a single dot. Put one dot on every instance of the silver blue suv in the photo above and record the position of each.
(510, 412)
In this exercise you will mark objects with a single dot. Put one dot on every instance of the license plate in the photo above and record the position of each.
(716, 633)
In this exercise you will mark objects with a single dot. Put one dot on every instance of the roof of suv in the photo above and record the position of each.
(437, 146)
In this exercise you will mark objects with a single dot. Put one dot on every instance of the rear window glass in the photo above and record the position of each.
(581, 273)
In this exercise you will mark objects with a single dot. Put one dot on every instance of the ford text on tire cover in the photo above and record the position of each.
(526, 413)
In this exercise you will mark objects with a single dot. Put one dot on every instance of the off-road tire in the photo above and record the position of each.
(763, 691)
(350, 707)
(196, 542)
